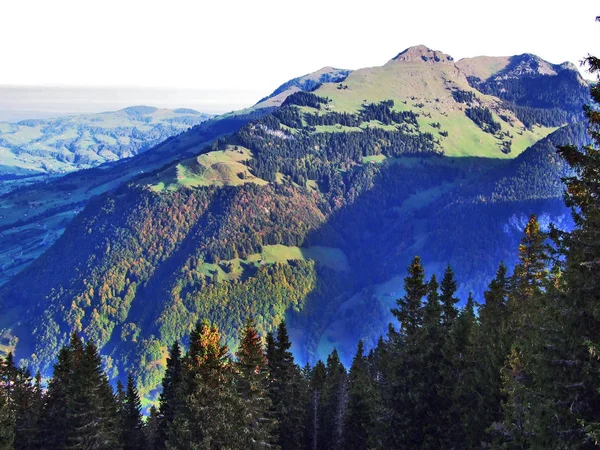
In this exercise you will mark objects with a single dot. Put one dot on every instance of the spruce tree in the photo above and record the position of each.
(120, 396)
(92, 412)
(7, 405)
(524, 305)
(55, 424)
(151, 428)
(288, 392)
(317, 378)
(331, 429)
(410, 312)
(132, 427)
(463, 390)
(448, 299)
(26, 410)
(432, 372)
(515, 431)
(406, 385)
(210, 414)
(7, 424)
(253, 382)
(491, 348)
(359, 421)
(170, 397)
(529, 277)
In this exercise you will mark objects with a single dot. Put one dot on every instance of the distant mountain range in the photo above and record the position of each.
(64, 144)
(308, 205)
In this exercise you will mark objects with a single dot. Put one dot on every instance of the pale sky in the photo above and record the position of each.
(254, 46)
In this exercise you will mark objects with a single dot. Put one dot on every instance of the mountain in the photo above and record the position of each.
(64, 144)
(536, 91)
(309, 211)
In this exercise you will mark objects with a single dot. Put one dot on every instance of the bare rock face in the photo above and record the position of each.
(423, 54)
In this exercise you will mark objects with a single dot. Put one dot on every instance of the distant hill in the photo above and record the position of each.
(76, 142)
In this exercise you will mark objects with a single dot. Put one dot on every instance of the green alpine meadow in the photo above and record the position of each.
(402, 256)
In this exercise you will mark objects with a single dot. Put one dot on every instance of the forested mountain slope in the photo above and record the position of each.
(311, 210)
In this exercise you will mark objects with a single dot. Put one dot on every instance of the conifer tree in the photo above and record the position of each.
(210, 416)
(491, 348)
(55, 425)
(381, 373)
(514, 433)
(410, 312)
(448, 299)
(132, 427)
(7, 406)
(92, 411)
(170, 397)
(333, 404)
(26, 410)
(151, 428)
(253, 381)
(359, 421)
(313, 410)
(524, 306)
(120, 395)
(529, 278)
(463, 390)
(7, 424)
(406, 385)
(432, 369)
(287, 390)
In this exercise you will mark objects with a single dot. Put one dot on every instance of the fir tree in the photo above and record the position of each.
(318, 375)
(530, 274)
(359, 421)
(132, 427)
(287, 390)
(406, 383)
(433, 369)
(170, 399)
(7, 406)
(151, 428)
(331, 429)
(524, 306)
(253, 380)
(92, 411)
(27, 404)
(55, 424)
(514, 433)
(410, 312)
(463, 390)
(491, 347)
(448, 299)
(210, 415)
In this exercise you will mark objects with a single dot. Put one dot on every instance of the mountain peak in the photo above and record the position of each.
(423, 54)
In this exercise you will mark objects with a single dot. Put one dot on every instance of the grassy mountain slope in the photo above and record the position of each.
(310, 210)
(70, 143)
(416, 81)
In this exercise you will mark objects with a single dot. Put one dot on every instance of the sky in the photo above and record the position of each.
(239, 51)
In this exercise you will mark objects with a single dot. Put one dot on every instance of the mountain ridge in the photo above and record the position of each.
(352, 175)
